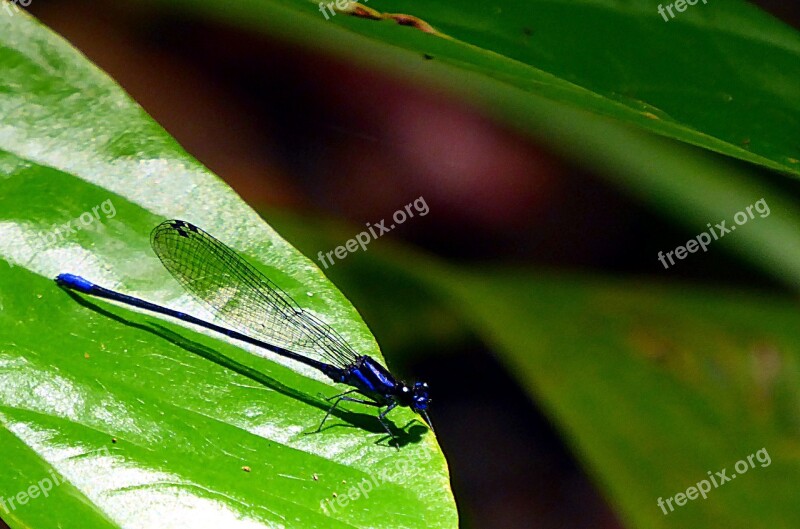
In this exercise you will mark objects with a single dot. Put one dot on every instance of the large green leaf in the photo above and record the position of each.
(656, 387)
(149, 423)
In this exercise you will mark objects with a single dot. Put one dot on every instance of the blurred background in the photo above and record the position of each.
(299, 133)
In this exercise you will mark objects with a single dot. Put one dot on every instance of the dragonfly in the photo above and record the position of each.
(252, 309)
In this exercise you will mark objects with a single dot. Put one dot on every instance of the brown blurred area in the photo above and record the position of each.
(286, 127)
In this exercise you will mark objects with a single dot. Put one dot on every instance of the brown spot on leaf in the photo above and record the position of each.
(358, 10)
(414, 22)
(766, 365)
(650, 345)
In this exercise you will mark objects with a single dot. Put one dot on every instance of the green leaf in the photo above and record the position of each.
(142, 421)
(655, 387)
(723, 77)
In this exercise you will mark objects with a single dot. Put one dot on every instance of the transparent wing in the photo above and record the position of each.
(241, 297)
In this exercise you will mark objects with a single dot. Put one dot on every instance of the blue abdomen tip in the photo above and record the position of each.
(73, 281)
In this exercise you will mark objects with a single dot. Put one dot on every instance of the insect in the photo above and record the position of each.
(254, 310)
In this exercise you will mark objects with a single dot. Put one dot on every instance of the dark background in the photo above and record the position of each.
(288, 129)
